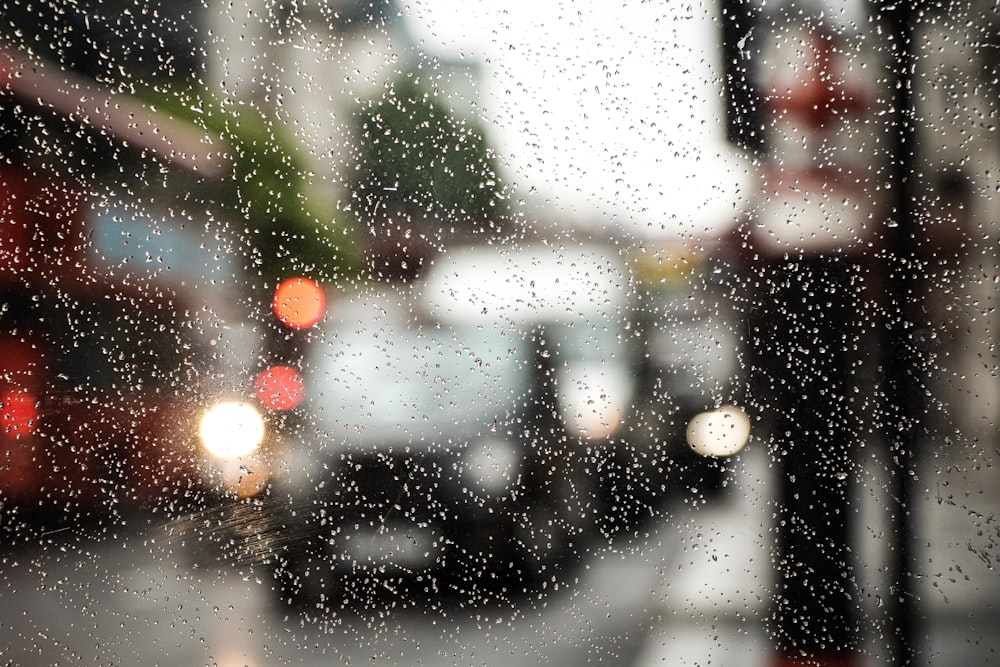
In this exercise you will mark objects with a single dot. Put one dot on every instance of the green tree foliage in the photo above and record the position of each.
(263, 195)
(416, 155)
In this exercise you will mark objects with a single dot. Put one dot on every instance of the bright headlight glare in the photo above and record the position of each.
(231, 429)
(491, 465)
(720, 432)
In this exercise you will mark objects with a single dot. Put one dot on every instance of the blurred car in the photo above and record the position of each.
(432, 451)
(643, 354)
(500, 413)
(685, 424)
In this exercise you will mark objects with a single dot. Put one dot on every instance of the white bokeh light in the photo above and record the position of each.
(720, 432)
(231, 429)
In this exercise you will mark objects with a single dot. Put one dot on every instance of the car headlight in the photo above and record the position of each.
(491, 465)
(720, 432)
(231, 429)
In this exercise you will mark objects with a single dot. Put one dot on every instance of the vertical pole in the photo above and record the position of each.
(903, 360)
(744, 127)
(807, 496)
(803, 353)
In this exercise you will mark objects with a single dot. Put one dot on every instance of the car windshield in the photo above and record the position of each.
(418, 386)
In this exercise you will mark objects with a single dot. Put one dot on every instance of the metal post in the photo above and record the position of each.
(811, 328)
(903, 356)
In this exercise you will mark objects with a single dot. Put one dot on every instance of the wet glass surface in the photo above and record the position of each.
(426, 332)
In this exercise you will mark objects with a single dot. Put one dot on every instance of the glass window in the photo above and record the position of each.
(407, 332)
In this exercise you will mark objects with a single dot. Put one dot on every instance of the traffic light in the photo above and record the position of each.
(299, 303)
(240, 436)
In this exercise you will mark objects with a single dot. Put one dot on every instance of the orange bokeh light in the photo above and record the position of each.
(279, 388)
(299, 303)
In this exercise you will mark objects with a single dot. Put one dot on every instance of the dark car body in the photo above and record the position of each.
(430, 449)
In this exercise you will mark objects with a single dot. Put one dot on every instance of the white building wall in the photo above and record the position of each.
(298, 62)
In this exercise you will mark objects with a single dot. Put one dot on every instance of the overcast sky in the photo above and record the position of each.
(610, 110)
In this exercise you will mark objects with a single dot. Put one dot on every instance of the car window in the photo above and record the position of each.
(427, 332)
(404, 382)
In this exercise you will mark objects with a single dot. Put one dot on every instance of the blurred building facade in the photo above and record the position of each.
(310, 64)
(956, 157)
(957, 98)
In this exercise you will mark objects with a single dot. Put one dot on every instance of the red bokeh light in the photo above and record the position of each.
(279, 388)
(18, 413)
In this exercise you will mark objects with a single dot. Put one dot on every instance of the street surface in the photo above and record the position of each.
(714, 597)
(690, 589)
(157, 598)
